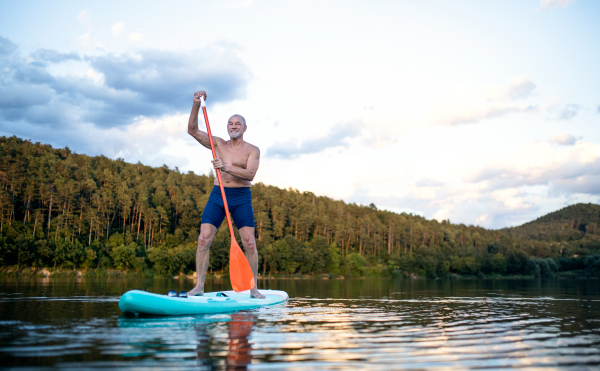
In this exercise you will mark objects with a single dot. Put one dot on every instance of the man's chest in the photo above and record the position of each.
(235, 157)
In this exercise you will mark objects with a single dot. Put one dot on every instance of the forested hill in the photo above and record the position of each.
(64, 210)
(573, 223)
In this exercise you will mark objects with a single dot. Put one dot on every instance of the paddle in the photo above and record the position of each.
(240, 273)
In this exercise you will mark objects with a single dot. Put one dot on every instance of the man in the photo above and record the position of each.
(238, 162)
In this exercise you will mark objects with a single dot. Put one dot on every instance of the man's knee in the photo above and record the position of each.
(205, 238)
(248, 240)
(250, 245)
(204, 243)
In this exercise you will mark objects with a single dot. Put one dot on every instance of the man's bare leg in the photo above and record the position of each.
(247, 235)
(207, 233)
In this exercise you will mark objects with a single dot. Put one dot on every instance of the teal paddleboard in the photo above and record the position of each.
(142, 302)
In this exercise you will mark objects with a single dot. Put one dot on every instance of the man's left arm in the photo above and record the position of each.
(245, 174)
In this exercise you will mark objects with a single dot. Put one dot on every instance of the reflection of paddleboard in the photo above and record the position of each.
(142, 302)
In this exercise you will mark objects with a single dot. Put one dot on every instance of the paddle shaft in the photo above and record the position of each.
(212, 147)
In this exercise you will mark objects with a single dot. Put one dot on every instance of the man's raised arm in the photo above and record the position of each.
(199, 135)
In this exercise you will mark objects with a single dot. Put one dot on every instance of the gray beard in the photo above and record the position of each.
(235, 135)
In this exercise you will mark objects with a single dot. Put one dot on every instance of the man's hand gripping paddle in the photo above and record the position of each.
(240, 272)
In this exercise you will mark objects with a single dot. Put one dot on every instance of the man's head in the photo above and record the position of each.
(236, 126)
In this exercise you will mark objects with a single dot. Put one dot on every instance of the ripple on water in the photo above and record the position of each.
(441, 332)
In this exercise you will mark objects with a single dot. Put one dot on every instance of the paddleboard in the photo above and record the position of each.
(142, 302)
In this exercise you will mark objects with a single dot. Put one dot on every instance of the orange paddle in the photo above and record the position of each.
(240, 273)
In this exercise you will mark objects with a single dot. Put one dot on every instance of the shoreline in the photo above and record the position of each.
(12, 272)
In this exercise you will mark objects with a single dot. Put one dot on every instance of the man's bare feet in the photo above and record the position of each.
(255, 294)
(196, 291)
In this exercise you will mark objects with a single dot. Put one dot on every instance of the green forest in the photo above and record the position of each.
(66, 211)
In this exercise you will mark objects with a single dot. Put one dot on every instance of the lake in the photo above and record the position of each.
(327, 324)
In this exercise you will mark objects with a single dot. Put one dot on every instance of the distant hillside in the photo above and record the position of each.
(577, 222)
(65, 210)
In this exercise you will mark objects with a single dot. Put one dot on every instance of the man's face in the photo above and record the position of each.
(235, 127)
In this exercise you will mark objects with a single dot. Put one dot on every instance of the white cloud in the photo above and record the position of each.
(496, 101)
(338, 136)
(152, 142)
(136, 36)
(476, 114)
(564, 139)
(84, 40)
(481, 219)
(118, 28)
(510, 197)
(85, 18)
(564, 170)
(549, 4)
(519, 87)
(424, 193)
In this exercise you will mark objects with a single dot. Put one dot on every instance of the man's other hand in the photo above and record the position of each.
(218, 164)
(198, 94)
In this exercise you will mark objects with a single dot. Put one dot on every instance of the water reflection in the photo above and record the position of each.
(240, 328)
(211, 350)
(326, 325)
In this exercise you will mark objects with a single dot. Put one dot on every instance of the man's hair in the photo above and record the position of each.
(240, 116)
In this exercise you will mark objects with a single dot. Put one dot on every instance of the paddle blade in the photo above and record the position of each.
(240, 272)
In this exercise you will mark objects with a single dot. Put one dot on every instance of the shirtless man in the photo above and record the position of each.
(238, 161)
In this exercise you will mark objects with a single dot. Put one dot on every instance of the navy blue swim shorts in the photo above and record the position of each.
(239, 201)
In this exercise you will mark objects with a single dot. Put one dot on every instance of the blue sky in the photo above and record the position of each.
(481, 112)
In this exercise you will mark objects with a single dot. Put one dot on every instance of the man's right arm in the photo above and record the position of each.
(193, 130)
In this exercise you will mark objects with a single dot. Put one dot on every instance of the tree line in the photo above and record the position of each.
(65, 210)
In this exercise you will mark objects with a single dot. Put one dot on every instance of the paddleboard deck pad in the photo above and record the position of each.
(142, 302)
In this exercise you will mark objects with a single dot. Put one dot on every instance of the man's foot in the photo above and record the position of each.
(255, 294)
(196, 291)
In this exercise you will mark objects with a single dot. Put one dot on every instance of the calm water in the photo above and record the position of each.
(338, 324)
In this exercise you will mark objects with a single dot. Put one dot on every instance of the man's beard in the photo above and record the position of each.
(235, 134)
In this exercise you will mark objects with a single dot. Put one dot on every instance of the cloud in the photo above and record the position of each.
(498, 101)
(426, 182)
(229, 45)
(336, 137)
(549, 4)
(564, 139)
(85, 18)
(573, 169)
(481, 219)
(518, 88)
(150, 141)
(84, 40)
(136, 36)
(466, 203)
(570, 111)
(598, 110)
(489, 113)
(117, 89)
(52, 56)
(7, 47)
(118, 28)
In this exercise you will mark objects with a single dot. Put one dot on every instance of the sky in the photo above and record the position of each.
(479, 112)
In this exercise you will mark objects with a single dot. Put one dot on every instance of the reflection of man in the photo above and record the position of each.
(238, 162)
(240, 328)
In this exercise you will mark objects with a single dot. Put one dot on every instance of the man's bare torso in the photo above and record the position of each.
(237, 157)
